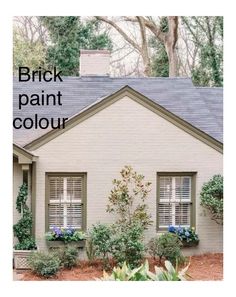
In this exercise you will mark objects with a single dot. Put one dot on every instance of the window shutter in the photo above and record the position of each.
(74, 188)
(74, 215)
(56, 188)
(55, 215)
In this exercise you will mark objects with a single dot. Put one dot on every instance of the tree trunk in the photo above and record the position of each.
(173, 60)
(170, 45)
(144, 48)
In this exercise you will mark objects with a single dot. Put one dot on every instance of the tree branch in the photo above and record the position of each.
(118, 29)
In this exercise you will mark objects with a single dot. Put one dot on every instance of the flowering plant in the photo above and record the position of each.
(185, 234)
(65, 234)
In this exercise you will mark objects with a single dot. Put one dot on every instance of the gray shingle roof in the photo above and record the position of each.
(201, 107)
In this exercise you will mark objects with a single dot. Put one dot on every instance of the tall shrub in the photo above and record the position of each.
(212, 198)
(22, 229)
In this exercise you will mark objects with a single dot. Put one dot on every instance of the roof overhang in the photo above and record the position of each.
(137, 97)
(23, 156)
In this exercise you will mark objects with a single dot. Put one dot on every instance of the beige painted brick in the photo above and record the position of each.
(127, 133)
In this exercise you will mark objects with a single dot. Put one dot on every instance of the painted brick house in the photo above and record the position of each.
(165, 128)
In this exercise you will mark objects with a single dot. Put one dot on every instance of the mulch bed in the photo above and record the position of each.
(202, 267)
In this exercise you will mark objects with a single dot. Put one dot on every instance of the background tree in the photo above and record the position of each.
(68, 35)
(168, 38)
(29, 43)
(159, 60)
(207, 34)
(141, 45)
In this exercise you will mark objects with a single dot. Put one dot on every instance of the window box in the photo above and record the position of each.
(190, 243)
(61, 244)
(20, 258)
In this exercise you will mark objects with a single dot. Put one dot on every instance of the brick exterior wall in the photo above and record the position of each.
(126, 133)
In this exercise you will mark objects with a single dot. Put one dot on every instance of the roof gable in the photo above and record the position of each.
(139, 98)
(177, 95)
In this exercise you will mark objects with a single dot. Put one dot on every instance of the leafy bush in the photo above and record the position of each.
(166, 245)
(68, 256)
(90, 249)
(128, 246)
(212, 198)
(127, 199)
(142, 273)
(100, 235)
(185, 235)
(44, 264)
(22, 229)
(65, 234)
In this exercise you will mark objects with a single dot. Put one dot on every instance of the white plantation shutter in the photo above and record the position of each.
(174, 206)
(65, 201)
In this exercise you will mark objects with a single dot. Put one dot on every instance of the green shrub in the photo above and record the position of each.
(166, 245)
(90, 249)
(100, 235)
(23, 228)
(68, 256)
(128, 246)
(212, 198)
(45, 264)
(142, 273)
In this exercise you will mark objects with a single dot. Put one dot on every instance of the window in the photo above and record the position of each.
(175, 200)
(65, 201)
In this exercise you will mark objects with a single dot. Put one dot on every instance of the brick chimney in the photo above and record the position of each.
(94, 62)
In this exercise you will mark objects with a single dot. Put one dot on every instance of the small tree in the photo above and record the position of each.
(22, 229)
(127, 199)
(100, 235)
(212, 198)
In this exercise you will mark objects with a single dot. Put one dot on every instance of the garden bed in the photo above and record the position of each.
(203, 267)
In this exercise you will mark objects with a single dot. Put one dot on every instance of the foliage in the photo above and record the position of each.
(22, 229)
(185, 234)
(127, 199)
(128, 246)
(159, 60)
(27, 53)
(90, 249)
(65, 235)
(44, 264)
(68, 35)
(166, 245)
(68, 256)
(142, 273)
(100, 235)
(212, 198)
(207, 35)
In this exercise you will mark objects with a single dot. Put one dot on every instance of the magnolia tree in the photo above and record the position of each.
(212, 198)
(124, 240)
(127, 198)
